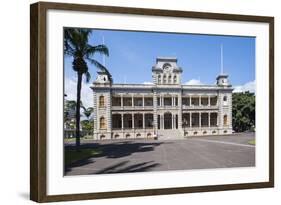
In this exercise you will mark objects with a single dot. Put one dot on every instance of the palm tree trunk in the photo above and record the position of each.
(79, 85)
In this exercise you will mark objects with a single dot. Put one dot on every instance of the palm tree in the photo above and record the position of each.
(76, 45)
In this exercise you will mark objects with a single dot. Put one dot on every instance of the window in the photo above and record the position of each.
(164, 79)
(127, 101)
(102, 123)
(159, 79)
(167, 101)
(225, 120)
(116, 101)
(176, 101)
(213, 119)
(195, 101)
(213, 101)
(148, 101)
(175, 79)
(170, 79)
(101, 101)
(186, 101)
(224, 100)
(138, 101)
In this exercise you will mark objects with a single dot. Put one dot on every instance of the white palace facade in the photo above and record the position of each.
(166, 108)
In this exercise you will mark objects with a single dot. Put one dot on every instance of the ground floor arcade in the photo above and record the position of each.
(146, 124)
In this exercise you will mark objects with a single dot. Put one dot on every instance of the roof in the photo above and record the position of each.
(160, 58)
(167, 86)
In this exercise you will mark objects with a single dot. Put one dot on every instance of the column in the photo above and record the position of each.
(200, 101)
(179, 107)
(155, 123)
(95, 115)
(143, 121)
(209, 100)
(173, 101)
(143, 101)
(133, 121)
(122, 103)
(132, 100)
(122, 121)
(190, 100)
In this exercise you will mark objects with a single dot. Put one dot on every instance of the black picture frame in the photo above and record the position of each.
(38, 102)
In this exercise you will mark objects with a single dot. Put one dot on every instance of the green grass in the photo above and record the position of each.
(252, 142)
(73, 139)
(69, 139)
(71, 155)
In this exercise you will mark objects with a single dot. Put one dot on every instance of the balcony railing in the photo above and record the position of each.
(132, 107)
(200, 106)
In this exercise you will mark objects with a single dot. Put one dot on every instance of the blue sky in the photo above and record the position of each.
(132, 54)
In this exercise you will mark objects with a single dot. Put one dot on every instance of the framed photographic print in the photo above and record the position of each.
(135, 102)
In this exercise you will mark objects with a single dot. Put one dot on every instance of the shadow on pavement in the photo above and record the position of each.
(121, 168)
(117, 150)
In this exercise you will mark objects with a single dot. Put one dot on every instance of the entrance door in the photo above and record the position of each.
(167, 121)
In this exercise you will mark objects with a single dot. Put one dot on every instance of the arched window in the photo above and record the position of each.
(164, 79)
(175, 79)
(169, 79)
(102, 123)
(225, 120)
(159, 79)
(225, 103)
(101, 101)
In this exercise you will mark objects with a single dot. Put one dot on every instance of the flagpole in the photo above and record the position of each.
(103, 56)
(221, 59)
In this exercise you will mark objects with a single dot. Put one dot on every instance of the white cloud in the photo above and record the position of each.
(194, 82)
(249, 86)
(70, 87)
(147, 83)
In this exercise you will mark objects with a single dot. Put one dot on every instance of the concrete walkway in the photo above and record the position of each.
(207, 152)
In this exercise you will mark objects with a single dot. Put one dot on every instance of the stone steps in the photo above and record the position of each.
(169, 134)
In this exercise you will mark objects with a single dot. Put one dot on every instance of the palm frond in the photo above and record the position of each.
(100, 67)
(88, 77)
(101, 49)
(77, 39)
(97, 64)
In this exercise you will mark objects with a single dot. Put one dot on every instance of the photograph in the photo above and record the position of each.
(149, 101)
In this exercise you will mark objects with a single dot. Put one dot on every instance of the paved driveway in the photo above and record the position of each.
(162, 155)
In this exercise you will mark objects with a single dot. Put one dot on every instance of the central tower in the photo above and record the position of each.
(166, 71)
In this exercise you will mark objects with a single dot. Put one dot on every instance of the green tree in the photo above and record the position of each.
(87, 124)
(68, 106)
(76, 45)
(243, 111)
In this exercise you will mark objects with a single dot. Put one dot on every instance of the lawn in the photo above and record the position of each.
(252, 142)
(73, 139)
(71, 155)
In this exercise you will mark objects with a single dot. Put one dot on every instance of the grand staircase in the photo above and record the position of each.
(169, 134)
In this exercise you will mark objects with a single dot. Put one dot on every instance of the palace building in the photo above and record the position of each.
(165, 108)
